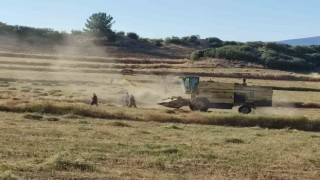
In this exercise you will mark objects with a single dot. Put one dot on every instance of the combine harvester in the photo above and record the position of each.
(218, 95)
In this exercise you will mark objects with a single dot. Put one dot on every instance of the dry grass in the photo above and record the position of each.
(60, 137)
(61, 162)
(174, 72)
(297, 105)
(142, 66)
(315, 75)
(272, 122)
(66, 64)
(67, 149)
(93, 59)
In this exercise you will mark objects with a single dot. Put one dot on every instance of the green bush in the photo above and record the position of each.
(194, 39)
(302, 50)
(314, 58)
(271, 55)
(316, 48)
(32, 35)
(197, 55)
(174, 40)
(232, 43)
(256, 44)
(111, 37)
(133, 35)
(284, 62)
(284, 48)
(156, 42)
(214, 42)
(237, 52)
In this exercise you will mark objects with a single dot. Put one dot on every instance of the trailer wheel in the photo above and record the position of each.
(244, 109)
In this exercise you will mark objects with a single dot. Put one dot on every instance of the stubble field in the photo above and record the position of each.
(70, 140)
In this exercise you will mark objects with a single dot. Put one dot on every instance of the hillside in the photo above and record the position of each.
(122, 48)
(302, 41)
(49, 130)
(24, 39)
(270, 55)
(28, 40)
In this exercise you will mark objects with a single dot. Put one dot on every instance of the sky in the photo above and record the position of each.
(238, 20)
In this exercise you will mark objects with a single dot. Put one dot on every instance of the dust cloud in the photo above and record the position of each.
(153, 93)
(110, 87)
(288, 110)
(75, 84)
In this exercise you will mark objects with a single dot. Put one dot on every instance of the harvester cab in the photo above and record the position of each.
(190, 84)
(220, 95)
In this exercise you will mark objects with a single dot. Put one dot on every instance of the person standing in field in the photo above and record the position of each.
(244, 83)
(132, 102)
(94, 100)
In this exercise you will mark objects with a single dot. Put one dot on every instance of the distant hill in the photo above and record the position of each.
(303, 41)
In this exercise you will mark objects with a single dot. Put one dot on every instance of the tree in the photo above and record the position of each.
(100, 25)
(214, 42)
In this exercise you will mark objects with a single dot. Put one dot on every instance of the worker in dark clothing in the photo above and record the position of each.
(94, 100)
(132, 102)
(244, 82)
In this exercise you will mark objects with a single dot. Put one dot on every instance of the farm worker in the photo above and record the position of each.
(244, 82)
(126, 99)
(132, 102)
(94, 100)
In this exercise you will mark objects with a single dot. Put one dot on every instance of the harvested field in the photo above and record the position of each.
(271, 122)
(94, 149)
(50, 131)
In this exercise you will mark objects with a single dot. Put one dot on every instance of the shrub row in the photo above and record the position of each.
(31, 34)
(194, 39)
(271, 55)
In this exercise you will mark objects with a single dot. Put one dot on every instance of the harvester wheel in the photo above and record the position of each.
(244, 109)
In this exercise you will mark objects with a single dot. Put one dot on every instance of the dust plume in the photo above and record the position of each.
(72, 74)
(149, 94)
(288, 110)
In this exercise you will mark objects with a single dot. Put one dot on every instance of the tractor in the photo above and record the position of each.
(220, 95)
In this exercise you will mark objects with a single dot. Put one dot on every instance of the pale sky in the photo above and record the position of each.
(240, 20)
